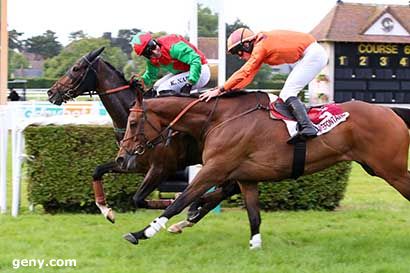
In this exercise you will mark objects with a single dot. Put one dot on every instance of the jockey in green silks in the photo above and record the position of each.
(187, 65)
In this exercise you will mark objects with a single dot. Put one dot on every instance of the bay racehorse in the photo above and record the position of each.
(241, 143)
(92, 73)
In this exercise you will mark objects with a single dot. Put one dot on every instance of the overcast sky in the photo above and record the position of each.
(34, 17)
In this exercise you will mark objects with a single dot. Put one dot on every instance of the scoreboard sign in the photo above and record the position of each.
(372, 72)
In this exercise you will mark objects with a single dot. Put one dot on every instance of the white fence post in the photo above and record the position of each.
(3, 159)
(17, 140)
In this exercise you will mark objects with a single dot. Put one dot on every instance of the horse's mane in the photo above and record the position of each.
(176, 94)
(119, 73)
(235, 94)
(196, 95)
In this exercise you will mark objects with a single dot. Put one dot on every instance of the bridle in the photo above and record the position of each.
(162, 135)
(68, 91)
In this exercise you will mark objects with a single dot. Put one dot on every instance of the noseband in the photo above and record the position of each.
(145, 143)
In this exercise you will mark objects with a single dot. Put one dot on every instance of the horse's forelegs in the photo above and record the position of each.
(151, 181)
(251, 198)
(98, 188)
(201, 183)
(205, 204)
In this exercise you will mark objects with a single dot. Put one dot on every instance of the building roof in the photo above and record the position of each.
(348, 22)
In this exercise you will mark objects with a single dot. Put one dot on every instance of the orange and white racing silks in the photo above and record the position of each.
(273, 48)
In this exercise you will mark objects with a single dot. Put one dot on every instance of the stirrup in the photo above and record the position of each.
(296, 139)
(299, 138)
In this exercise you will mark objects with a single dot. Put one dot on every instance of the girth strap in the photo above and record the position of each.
(299, 157)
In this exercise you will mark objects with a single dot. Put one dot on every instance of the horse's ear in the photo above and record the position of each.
(94, 54)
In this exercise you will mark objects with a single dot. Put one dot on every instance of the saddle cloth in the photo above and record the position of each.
(325, 117)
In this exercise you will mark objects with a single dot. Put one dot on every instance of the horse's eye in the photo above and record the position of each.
(76, 68)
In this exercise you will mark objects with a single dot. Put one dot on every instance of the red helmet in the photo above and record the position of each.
(239, 36)
(139, 41)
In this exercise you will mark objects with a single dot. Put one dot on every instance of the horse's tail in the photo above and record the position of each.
(403, 113)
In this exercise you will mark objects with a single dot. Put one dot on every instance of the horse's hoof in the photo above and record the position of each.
(130, 238)
(178, 227)
(110, 216)
(174, 229)
(255, 247)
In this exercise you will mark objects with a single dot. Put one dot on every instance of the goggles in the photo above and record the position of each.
(151, 46)
(237, 50)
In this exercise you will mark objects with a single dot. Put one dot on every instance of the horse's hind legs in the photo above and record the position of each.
(401, 184)
(251, 197)
(205, 204)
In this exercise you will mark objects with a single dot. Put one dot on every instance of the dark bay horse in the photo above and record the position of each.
(241, 143)
(92, 73)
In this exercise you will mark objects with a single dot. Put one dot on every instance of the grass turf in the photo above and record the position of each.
(368, 233)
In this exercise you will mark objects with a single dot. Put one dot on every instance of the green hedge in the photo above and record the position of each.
(40, 83)
(60, 176)
(319, 191)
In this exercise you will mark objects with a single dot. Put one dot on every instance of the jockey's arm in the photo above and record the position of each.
(244, 76)
(150, 74)
(186, 54)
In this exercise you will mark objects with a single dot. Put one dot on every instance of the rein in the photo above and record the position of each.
(115, 90)
(258, 106)
(140, 148)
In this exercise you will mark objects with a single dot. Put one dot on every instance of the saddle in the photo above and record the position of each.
(324, 117)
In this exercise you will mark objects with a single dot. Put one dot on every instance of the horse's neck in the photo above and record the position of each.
(117, 104)
(192, 122)
(198, 120)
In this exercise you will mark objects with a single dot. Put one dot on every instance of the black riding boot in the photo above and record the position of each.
(306, 128)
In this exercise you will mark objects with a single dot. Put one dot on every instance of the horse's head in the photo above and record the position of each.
(142, 136)
(79, 79)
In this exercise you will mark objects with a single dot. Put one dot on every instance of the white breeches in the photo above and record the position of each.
(175, 82)
(304, 71)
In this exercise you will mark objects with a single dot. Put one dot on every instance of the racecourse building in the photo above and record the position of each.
(369, 50)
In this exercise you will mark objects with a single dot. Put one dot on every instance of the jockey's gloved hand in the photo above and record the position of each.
(135, 82)
(186, 89)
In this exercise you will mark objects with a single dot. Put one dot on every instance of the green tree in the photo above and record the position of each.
(16, 61)
(57, 66)
(14, 40)
(127, 33)
(136, 66)
(77, 35)
(207, 22)
(45, 45)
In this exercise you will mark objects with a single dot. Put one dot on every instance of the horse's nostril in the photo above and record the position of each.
(119, 160)
(49, 93)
